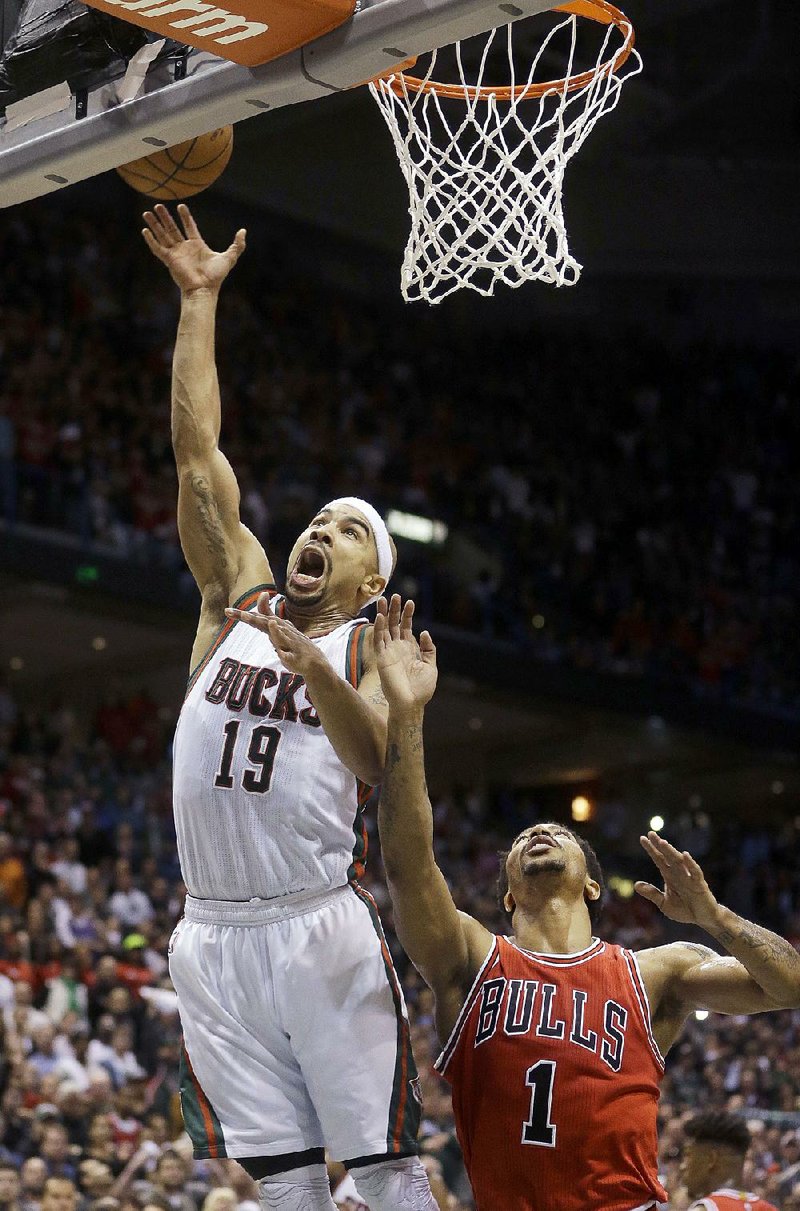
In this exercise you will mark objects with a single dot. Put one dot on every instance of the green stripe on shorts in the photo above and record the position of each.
(199, 1118)
(405, 1108)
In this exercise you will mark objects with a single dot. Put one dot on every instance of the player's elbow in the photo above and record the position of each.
(193, 445)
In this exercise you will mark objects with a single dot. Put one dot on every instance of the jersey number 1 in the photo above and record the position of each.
(539, 1129)
(264, 743)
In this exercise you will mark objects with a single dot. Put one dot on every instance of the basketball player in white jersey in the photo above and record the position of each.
(295, 1029)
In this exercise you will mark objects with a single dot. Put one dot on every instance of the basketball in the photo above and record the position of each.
(183, 170)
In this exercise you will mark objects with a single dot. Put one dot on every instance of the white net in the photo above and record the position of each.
(485, 174)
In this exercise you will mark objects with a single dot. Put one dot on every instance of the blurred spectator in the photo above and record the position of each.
(170, 1180)
(13, 884)
(632, 510)
(10, 1187)
(59, 1194)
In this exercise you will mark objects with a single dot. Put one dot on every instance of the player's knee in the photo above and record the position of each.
(303, 1189)
(395, 1185)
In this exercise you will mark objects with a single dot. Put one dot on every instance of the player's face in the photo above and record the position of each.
(545, 847)
(333, 556)
(696, 1165)
(550, 850)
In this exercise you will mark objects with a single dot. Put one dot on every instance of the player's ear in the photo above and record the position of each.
(372, 585)
(591, 889)
(508, 902)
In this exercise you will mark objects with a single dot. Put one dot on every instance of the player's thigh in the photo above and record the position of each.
(350, 1031)
(242, 1091)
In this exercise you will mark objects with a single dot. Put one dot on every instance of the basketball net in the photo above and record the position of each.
(485, 165)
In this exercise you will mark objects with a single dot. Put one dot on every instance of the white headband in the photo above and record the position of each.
(379, 532)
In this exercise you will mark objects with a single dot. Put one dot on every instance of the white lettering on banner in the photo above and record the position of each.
(212, 19)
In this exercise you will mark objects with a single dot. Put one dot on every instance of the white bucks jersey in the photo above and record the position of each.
(263, 806)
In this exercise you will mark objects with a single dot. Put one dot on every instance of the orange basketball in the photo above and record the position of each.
(181, 171)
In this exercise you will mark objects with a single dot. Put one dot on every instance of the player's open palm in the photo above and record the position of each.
(686, 895)
(190, 261)
(407, 669)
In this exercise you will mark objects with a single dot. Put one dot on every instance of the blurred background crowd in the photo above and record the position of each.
(90, 892)
(602, 518)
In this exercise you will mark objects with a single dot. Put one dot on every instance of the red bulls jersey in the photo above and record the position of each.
(732, 1200)
(555, 1076)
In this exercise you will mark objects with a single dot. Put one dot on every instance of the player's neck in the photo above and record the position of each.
(318, 619)
(552, 926)
(723, 1179)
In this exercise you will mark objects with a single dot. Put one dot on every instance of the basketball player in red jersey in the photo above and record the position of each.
(713, 1160)
(553, 1040)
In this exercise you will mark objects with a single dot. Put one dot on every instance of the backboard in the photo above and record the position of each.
(55, 139)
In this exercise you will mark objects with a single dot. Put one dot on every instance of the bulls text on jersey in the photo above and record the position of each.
(528, 1007)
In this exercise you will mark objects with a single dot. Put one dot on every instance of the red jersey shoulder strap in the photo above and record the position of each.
(449, 1048)
(642, 1001)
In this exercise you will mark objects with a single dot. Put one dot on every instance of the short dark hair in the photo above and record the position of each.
(593, 869)
(719, 1127)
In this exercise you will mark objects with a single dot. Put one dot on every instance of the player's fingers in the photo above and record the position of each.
(379, 630)
(649, 892)
(427, 648)
(381, 607)
(406, 620)
(171, 229)
(251, 620)
(693, 867)
(653, 853)
(187, 221)
(394, 616)
(236, 249)
(264, 606)
(665, 847)
(153, 220)
(153, 244)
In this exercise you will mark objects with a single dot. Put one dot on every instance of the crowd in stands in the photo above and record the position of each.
(90, 892)
(618, 506)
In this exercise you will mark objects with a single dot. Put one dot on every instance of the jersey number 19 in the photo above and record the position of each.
(264, 743)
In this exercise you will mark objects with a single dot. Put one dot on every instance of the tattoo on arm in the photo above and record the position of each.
(705, 952)
(378, 698)
(760, 940)
(210, 521)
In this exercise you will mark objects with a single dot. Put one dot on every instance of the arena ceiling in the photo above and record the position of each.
(67, 648)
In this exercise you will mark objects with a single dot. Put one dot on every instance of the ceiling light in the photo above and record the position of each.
(581, 809)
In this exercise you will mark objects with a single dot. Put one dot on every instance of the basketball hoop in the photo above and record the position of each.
(485, 176)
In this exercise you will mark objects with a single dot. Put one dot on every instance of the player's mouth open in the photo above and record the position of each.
(310, 570)
(540, 844)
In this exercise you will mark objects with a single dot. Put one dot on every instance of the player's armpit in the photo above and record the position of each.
(446, 946)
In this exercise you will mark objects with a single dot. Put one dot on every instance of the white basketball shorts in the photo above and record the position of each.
(295, 1029)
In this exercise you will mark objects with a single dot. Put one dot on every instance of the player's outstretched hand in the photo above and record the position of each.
(192, 264)
(296, 651)
(407, 669)
(686, 895)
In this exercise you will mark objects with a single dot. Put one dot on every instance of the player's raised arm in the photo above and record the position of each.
(446, 946)
(224, 557)
(760, 972)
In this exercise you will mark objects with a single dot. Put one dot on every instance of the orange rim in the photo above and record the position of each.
(595, 10)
